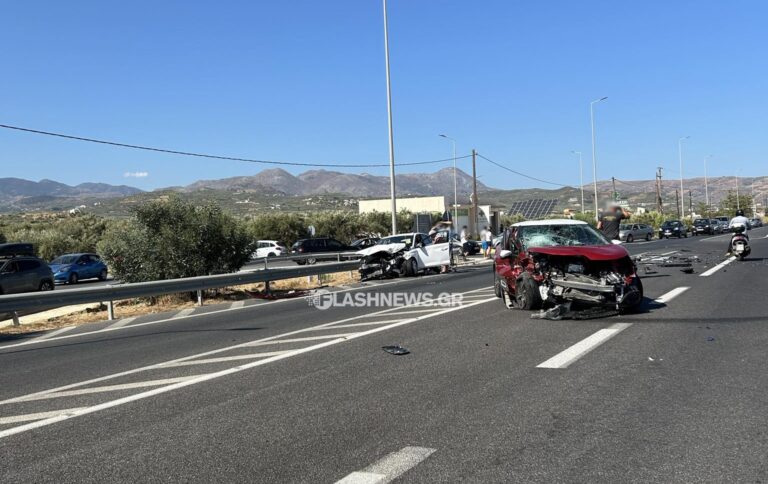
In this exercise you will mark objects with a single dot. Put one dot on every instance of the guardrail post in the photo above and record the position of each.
(16, 319)
(266, 265)
(111, 310)
(199, 297)
(267, 289)
(338, 257)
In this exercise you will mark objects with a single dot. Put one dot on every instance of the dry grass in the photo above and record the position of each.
(177, 302)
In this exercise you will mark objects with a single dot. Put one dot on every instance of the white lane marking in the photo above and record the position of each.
(669, 253)
(54, 333)
(716, 268)
(568, 356)
(297, 340)
(218, 311)
(395, 312)
(355, 325)
(222, 359)
(237, 305)
(215, 375)
(107, 388)
(665, 298)
(183, 313)
(121, 323)
(390, 467)
(39, 416)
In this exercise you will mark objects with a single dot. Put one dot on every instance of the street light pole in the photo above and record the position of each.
(455, 186)
(680, 155)
(581, 178)
(389, 118)
(706, 182)
(594, 155)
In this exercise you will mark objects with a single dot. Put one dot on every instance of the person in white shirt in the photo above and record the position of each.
(738, 220)
(487, 241)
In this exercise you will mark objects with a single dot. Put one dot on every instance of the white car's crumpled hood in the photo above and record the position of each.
(389, 248)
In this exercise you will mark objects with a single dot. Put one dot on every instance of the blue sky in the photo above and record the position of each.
(304, 81)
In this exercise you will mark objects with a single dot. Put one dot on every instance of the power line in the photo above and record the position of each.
(522, 174)
(219, 157)
(631, 185)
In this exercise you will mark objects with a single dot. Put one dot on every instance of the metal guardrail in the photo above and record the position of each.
(319, 256)
(111, 293)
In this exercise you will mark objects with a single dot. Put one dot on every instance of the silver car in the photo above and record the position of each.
(24, 274)
(632, 232)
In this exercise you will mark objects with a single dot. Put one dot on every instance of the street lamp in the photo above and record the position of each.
(706, 183)
(680, 155)
(455, 189)
(581, 178)
(594, 156)
(389, 119)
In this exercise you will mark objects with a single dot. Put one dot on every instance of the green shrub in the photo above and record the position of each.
(283, 227)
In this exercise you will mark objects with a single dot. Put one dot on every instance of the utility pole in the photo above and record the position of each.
(690, 203)
(389, 119)
(474, 193)
(677, 202)
(613, 181)
(659, 203)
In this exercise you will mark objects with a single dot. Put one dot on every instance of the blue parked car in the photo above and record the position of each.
(71, 268)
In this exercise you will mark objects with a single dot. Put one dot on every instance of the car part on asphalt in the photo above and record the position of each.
(396, 350)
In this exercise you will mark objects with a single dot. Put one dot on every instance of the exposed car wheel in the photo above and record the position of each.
(630, 239)
(496, 283)
(648, 237)
(271, 254)
(73, 278)
(636, 302)
(103, 275)
(412, 267)
(527, 293)
(46, 286)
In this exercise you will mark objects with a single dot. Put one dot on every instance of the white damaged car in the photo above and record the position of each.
(403, 255)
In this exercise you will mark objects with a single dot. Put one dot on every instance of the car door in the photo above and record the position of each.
(10, 278)
(437, 254)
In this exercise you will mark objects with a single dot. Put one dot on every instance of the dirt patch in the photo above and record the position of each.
(177, 302)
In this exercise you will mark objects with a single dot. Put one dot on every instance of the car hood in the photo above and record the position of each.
(389, 248)
(591, 252)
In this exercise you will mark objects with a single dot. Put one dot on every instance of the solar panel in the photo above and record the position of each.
(533, 209)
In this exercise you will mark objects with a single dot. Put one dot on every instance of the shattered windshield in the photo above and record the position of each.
(560, 235)
(396, 239)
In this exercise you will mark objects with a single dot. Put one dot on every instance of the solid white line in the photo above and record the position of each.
(121, 323)
(226, 358)
(183, 313)
(355, 325)
(413, 311)
(54, 333)
(297, 340)
(565, 358)
(39, 416)
(108, 388)
(716, 268)
(390, 467)
(237, 305)
(218, 311)
(211, 376)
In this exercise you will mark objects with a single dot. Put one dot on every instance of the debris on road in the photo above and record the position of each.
(395, 350)
(566, 311)
(710, 338)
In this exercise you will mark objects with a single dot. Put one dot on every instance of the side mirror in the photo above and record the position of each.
(616, 242)
(505, 254)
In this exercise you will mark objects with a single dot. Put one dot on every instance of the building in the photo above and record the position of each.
(413, 205)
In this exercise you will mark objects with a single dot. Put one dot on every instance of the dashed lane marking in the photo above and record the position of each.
(208, 361)
(390, 467)
(120, 323)
(574, 353)
(183, 313)
(716, 268)
(39, 415)
(54, 333)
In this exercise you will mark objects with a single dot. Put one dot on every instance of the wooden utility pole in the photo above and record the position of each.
(474, 193)
(677, 202)
(613, 195)
(659, 202)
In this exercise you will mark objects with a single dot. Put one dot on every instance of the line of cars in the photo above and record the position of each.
(22, 271)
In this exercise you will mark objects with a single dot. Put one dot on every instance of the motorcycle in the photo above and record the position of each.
(740, 243)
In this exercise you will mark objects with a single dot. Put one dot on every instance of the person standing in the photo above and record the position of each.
(610, 221)
(487, 241)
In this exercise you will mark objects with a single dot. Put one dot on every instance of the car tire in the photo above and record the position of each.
(527, 293)
(73, 278)
(639, 285)
(630, 239)
(496, 283)
(413, 267)
(312, 260)
(648, 237)
(46, 285)
(103, 275)
(271, 254)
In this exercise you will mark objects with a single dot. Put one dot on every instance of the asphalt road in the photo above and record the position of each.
(286, 392)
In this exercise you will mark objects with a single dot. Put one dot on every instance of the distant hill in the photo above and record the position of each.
(19, 194)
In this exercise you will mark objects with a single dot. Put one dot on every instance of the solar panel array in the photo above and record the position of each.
(533, 209)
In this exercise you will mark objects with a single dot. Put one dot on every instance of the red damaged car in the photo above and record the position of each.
(564, 264)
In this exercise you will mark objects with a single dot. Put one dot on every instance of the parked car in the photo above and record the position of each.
(756, 222)
(268, 248)
(24, 274)
(632, 232)
(72, 268)
(364, 243)
(562, 263)
(724, 222)
(704, 226)
(319, 247)
(673, 228)
(472, 247)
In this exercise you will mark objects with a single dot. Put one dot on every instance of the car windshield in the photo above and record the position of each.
(65, 259)
(559, 235)
(396, 239)
(668, 225)
(700, 221)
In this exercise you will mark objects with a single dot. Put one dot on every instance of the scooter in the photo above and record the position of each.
(740, 242)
